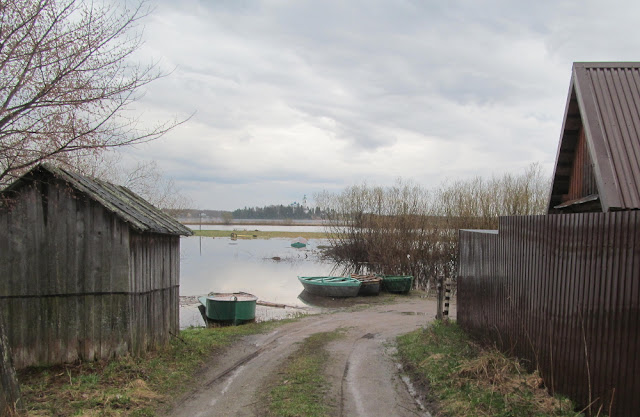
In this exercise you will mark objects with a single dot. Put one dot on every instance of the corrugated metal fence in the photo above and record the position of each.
(561, 292)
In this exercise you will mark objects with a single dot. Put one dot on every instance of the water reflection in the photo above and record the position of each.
(191, 316)
(223, 265)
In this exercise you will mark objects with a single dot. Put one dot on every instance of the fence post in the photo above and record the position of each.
(440, 296)
(447, 298)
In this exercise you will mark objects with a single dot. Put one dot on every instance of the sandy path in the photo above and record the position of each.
(363, 375)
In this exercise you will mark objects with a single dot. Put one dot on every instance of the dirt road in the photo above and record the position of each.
(364, 378)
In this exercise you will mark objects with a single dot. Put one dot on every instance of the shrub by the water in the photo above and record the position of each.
(405, 229)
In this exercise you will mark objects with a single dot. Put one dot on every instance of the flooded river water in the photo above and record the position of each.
(267, 268)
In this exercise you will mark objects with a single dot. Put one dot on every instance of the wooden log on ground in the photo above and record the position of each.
(269, 304)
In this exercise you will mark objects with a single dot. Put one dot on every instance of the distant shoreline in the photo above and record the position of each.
(254, 222)
(259, 234)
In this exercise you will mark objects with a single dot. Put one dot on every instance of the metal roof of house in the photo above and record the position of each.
(121, 201)
(604, 98)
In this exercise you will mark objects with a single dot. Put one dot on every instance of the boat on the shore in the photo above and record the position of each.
(331, 286)
(234, 308)
(397, 283)
(369, 284)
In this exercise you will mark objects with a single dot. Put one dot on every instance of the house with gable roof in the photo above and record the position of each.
(598, 159)
(561, 291)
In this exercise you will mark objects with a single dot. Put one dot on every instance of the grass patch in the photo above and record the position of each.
(464, 379)
(301, 386)
(127, 386)
(384, 298)
(258, 234)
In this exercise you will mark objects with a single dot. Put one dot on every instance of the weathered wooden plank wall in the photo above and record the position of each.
(78, 283)
(563, 293)
(154, 274)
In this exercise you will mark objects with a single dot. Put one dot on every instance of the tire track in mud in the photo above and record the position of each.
(368, 366)
(266, 346)
(228, 373)
(345, 382)
(344, 379)
(362, 374)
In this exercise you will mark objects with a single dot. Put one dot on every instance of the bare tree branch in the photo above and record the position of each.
(67, 82)
(405, 229)
(145, 178)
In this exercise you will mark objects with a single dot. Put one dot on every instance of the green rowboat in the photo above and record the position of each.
(236, 308)
(331, 286)
(397, 283)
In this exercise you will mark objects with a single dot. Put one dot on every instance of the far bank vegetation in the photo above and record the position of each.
(406, 229)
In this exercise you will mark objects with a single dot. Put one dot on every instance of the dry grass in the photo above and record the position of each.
(126, 386)
(493, 371)
(463, 379)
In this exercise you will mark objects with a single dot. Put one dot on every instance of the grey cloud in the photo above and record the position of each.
(371, 77)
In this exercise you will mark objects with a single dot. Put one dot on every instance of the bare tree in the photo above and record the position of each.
(145, 178)
(67, 81)
(405, 229)
(150, 182)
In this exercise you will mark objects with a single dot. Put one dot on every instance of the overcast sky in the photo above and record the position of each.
(293, 97)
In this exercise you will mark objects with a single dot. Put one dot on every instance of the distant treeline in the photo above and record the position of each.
(277, 212)
(197, 214)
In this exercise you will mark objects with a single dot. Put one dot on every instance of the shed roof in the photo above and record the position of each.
(604, 99)
(121, 201)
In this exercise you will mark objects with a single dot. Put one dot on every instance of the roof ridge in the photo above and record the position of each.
(118, 199)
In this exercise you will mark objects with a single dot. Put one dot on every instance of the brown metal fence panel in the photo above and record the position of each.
(562, 293)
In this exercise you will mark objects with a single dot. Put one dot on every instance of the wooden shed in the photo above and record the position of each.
(598, 159)
(88, 269)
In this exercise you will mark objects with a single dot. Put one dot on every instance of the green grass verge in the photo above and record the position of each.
(301, 386)
(127, 386)
(258, 234)
(463, 379)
